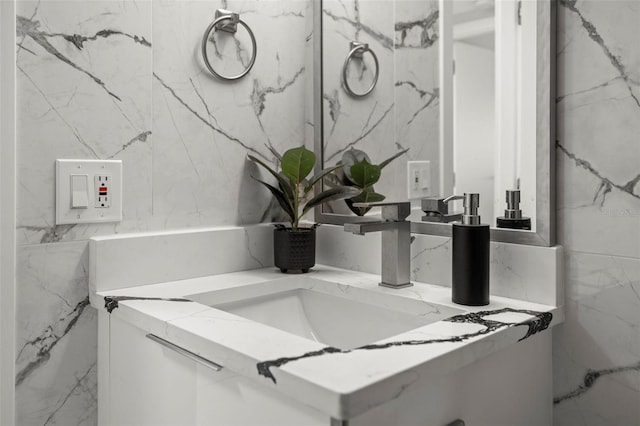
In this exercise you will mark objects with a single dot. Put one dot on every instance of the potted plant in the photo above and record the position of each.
(357, 171)
(294, 246)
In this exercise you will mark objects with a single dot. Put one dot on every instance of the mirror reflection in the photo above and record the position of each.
(399, 119)
(494, 101)
(453, 107)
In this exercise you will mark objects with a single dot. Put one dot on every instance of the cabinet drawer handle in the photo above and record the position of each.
(457, 422)
(188, 354)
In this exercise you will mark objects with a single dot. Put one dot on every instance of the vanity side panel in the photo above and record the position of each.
(104, 362)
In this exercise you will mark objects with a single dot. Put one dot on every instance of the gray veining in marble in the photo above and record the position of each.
(403, 109)
(590, 379)
(205, 121)
(29, 28)
(42, 345)
(596, 351)
(122, 80)
(616, 61)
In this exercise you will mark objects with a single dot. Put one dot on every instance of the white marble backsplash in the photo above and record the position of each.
(520, 272)
(177, 255)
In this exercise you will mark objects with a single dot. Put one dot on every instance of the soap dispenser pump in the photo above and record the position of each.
(470, 262)
(513, 218)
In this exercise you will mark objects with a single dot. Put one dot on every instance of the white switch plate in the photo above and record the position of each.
(92, 168)
(418, 179)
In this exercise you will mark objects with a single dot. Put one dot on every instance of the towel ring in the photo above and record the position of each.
(231, 27)
(357, 51)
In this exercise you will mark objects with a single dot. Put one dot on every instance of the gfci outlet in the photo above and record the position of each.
(101, 191)
(88, 191)
(418, 179)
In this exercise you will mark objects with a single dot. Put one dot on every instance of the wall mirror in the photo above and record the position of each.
(440, 97)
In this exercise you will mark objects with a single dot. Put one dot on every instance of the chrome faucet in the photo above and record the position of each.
(437, 209)
(396, 241)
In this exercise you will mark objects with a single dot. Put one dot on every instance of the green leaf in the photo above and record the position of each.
(282, 200)
(352, 157)
(297, 163)
(365, 174)
(316, 178)
(337, 193)
(390, 159)
(285, 186)
(366, 196)
(282, 182)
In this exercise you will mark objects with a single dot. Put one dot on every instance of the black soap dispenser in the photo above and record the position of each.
(470, 262)
(513, 218)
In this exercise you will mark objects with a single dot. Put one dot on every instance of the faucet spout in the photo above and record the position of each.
(396, 241)
(367, 227)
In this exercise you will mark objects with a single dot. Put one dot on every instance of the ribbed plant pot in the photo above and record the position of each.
(294, 251)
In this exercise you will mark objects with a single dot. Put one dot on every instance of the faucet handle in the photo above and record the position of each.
(437, 209)
(435, 205)
(391, 211)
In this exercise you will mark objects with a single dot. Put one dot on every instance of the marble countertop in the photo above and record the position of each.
(340, 383)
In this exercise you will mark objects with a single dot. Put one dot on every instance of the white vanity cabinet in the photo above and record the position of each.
(147, 383)
(150, 384)
(488, 366)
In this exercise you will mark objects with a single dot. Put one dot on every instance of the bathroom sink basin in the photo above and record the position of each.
(336, 315)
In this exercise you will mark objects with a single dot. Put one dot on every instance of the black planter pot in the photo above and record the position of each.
(294, 250)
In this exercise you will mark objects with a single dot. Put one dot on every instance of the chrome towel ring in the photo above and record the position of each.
(357, 51)
(220, 23)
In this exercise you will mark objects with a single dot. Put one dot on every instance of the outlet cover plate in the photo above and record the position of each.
(65, 169)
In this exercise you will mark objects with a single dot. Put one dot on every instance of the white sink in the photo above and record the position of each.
(336, 315)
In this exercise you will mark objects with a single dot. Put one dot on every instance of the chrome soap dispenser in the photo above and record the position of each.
(470, 262)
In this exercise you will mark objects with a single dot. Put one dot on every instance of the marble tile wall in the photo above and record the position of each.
(597, 351)
(121, 79)
(113, 79)
(204, 128)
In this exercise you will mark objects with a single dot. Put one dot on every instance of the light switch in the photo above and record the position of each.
(424, 179)
(418, 179)
(79, 192)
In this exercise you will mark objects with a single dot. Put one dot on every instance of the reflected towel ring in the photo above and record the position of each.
(357, 51)
(231, 27)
